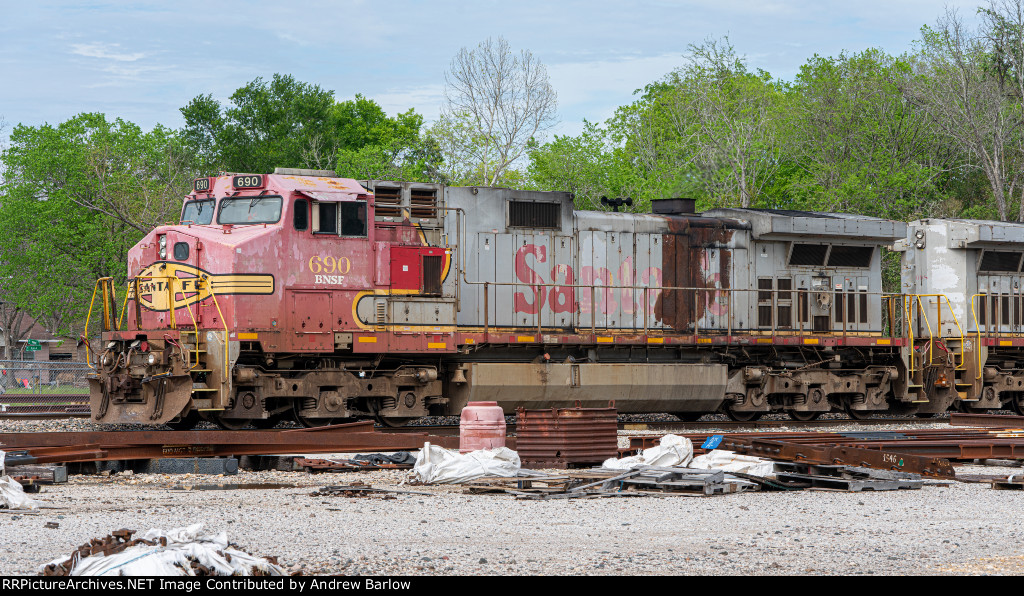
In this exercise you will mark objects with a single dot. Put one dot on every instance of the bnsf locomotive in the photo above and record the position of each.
(305, 296)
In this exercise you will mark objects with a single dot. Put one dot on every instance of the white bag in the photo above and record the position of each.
(437, 465)
(183, 545)
(12, 495)
(672, 451)
(730, 461)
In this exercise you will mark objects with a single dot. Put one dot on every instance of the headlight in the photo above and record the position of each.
(162, 242)
(152, 359)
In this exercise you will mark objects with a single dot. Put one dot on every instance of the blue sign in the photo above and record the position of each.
(712, 442)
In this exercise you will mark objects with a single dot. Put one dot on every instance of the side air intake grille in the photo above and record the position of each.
(808, 254)
(1000, 261)
(528, 214)
(850, 256)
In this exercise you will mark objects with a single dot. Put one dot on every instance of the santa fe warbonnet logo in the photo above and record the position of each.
(190, 285)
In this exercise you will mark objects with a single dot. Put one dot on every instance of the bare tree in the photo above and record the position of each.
(958, 84)
(507, 100)
(1004, 32)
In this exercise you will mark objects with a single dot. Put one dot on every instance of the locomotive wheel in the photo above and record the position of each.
(688, 416)
(1017, 403)
(186, 422)
(393, 422)
(803, 416)
(743, 416)
(233, 423)
(858, 414)
(308, 422)
(265, 423)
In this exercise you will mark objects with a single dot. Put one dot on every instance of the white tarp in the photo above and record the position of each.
(730, 461)
(437, 465)
(12, 495)
(183, 546)
(672, 451)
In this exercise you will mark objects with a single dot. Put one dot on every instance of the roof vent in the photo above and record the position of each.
(677, 206)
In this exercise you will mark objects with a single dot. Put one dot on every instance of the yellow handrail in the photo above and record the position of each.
(938, 309)
(88, 317)
(130, 293)
(205, 279)
(977, 326)
(907, 300)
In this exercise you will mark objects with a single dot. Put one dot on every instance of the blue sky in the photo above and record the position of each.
(144, 60)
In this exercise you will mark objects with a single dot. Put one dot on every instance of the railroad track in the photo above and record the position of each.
(672, 426)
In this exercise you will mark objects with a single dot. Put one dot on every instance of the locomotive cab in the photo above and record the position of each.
(247, 311)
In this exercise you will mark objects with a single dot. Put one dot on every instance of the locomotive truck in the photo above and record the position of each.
(305, 296)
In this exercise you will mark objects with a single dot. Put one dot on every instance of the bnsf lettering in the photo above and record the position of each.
(329, 279)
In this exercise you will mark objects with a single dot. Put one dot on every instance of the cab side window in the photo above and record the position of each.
(353, 218)
(325, 218)
(344, 218)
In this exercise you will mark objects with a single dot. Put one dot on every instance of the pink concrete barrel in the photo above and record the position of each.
(482, 426)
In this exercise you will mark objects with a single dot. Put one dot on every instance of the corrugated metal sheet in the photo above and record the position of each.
(566, 437)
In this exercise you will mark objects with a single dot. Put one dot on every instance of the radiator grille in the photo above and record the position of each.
(423, 203)
(388, 201)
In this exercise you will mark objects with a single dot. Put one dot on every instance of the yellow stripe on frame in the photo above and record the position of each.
(655, 340)
(525, 338)
(605, 340)
(883, 342)
(1005, 343)
(367, 340)
(248, 336)
(811, 341)
(436, 346)
(703, 340)
(764, 340)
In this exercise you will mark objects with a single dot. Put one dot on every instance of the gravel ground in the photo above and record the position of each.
(944, 528)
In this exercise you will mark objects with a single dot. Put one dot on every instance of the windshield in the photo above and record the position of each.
(250, 210)
(198, 212)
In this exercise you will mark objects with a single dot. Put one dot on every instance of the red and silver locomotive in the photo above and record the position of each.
(302, 295)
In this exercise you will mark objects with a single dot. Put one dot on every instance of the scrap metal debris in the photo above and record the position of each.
(403, 460)
(181, 551)
(361, 489)
(845, 478)
(719, 475)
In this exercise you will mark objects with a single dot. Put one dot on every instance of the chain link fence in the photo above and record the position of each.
(43, 388)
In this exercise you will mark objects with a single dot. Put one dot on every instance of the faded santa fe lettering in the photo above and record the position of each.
(603, 290)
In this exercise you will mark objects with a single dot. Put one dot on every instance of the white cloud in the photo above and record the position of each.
(107, 51)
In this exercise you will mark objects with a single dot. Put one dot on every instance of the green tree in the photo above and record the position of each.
(374, 146)
(853, 144)
(76, 197)
(280, 123)
(964, 88)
